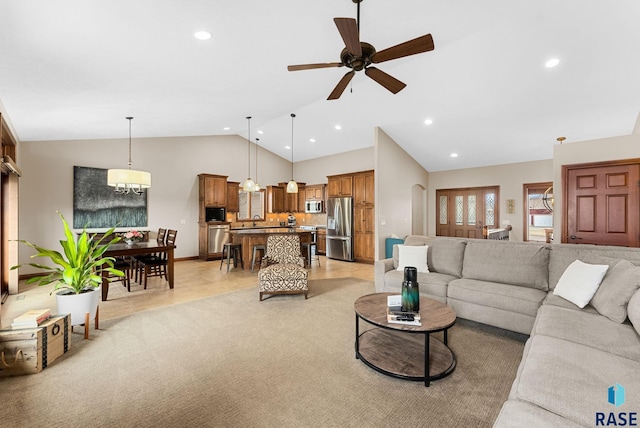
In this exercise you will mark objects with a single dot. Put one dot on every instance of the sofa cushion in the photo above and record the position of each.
(522, 300)
(445, 255)
(412, 255)
(590, 329)
(562, 255)
(572, 380)
(518, 414)
(524, 264)
(554, 300)
(579, 282)
(619, 284)
(633, 311)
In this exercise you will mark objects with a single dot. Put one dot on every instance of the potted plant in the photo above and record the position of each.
(78, 274)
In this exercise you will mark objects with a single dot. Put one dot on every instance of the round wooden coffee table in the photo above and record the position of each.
(397, 349)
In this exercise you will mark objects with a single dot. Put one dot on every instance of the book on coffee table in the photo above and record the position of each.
(31, 318)
(399, 317)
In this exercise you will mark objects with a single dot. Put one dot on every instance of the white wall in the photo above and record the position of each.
(315, 171)
(509, 177)
(174, 163)
(395, 175)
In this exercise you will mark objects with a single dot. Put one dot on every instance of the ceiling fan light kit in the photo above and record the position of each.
(358, 55)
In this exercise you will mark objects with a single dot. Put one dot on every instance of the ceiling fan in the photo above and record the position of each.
(358, 55)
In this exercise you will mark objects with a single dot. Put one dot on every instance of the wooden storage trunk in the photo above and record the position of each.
(30, 350)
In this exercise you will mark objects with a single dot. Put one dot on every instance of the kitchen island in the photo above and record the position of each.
(248, 237)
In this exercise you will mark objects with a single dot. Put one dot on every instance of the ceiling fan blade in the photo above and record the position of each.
(312, 66)
(389, 82)
(342, 84)
(412, 47)
(348, 28)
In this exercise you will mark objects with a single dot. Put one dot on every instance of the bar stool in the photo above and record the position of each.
(311, 249)
(257, 247)
(232, 250)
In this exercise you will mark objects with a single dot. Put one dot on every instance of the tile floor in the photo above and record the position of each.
(194, 279)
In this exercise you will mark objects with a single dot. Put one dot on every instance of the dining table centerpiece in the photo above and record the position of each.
(133, 236)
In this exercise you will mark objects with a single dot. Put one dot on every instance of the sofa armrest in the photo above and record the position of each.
(381, 267)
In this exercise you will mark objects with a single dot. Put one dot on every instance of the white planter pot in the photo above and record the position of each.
(79, 304)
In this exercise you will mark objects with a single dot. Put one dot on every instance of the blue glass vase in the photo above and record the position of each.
(410, 290)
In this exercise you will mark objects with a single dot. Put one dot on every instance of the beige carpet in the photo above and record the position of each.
(232, 361)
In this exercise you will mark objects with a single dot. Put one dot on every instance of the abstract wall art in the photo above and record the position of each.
(96, 205)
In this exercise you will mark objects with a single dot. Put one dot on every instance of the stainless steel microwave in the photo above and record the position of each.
(313, 206)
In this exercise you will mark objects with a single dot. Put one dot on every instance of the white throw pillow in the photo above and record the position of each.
(413, 255)
(579, 282)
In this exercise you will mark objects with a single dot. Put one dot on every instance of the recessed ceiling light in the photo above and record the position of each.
(338, 127)
(260, 132)
(428, 122)
(552, 63)
(226, 128)
(454, 155)
(202, 35)
(312, 140)
(287, 147)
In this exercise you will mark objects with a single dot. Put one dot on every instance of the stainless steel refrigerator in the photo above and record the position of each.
(340, 228)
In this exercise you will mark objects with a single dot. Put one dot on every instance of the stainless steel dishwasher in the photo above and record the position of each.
(218, 236)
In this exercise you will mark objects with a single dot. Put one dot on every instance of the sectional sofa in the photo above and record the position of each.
(581, 365)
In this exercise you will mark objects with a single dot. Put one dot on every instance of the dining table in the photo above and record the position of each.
(151, 246)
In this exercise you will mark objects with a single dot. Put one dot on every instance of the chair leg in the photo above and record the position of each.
(239, 255)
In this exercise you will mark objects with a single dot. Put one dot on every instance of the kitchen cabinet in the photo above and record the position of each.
(275, 199)
(233, 190)
(315, 192)
(363, 247)
(212, 192)
(292, 200)
(321, 239)
(363, 188)
(340, 185)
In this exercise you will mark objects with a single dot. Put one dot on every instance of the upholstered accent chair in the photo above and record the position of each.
(282, 269)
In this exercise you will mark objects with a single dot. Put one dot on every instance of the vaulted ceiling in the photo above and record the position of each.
(73, 69)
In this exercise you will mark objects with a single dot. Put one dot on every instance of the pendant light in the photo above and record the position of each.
(249, 185)
(256, 187)
(292, 186)
(129, 180)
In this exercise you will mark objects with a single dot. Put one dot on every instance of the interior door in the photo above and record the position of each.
(602, 204)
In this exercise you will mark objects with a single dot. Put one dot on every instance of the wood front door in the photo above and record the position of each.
(463, 212)
(603, 204)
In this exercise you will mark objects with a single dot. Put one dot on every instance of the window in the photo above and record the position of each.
(251, 205)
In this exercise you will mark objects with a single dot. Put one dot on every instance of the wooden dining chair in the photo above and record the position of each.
(157, 266)
(160, 238)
